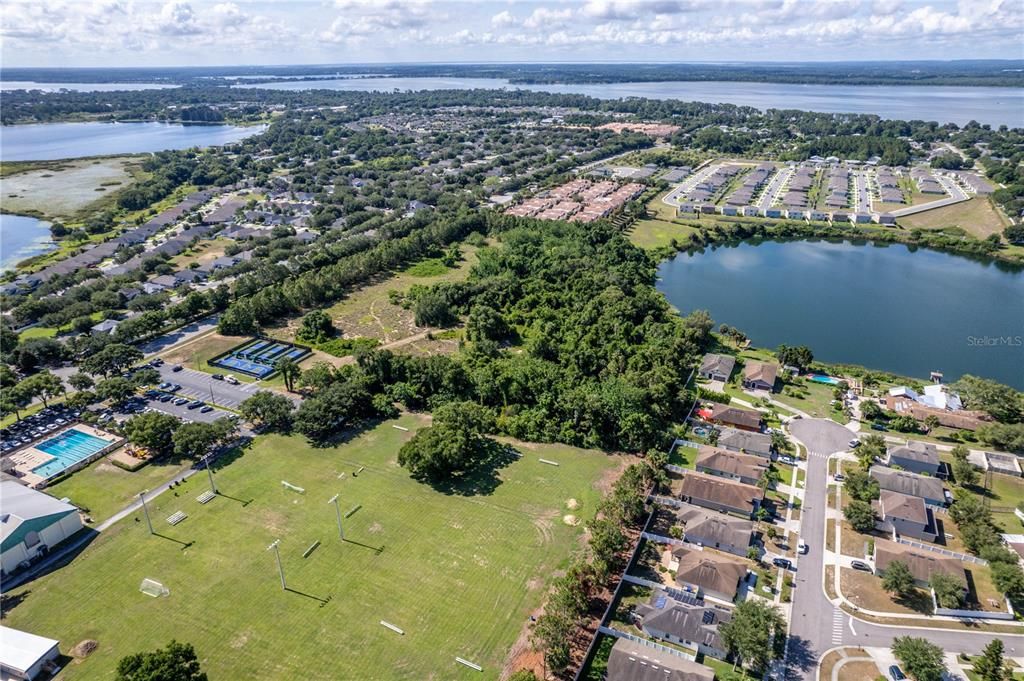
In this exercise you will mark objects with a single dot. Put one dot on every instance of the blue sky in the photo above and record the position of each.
(199, 32)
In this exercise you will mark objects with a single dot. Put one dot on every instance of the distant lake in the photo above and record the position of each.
(993, 105)
(50, 141)
(883, 307)
(82, 87)
(22, 237)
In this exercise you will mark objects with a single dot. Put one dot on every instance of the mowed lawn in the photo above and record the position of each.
(460, 574)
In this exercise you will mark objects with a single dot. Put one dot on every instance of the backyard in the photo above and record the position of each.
(459, 574)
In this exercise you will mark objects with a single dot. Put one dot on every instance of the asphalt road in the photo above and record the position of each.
(199, 385)
(186, 414)
(774, 188)
(179, 335)
(816, 624)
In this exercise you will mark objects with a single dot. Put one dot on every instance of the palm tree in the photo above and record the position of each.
(289, 371)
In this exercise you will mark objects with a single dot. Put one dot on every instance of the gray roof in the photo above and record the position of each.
(686, 621)
(20, 504)
(718, 364)
(711, 527)
(631, 661)
(915, 450)
(906, 482)
(734, 438)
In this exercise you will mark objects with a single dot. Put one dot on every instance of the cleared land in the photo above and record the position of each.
(976, 216)
(460, 574)
(62, 189)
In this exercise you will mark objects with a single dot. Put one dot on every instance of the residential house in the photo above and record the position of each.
(31, 524)
(758, 444)
(915, 456)
(715, 530)
(716, 367)
(922, 563)
(692, 623)
(963, 419)
(925, 487)
(631, 661)
(106, 327)
(709, 573)
(760, 375)
(744, 419)
(905, 515)
(721, 495)
(745, 468)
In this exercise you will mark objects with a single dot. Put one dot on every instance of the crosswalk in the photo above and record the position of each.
(818, 455)
(837, 626)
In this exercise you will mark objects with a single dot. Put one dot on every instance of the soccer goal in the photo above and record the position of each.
(153, 588)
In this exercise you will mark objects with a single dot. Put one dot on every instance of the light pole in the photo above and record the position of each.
(145, 509)
(209, 472)
(280, 569)
(337, 509)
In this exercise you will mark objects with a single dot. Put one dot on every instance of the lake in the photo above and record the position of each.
(993, 105)
(22, 237)
(51, 141)
(883, 307)
(82, 87)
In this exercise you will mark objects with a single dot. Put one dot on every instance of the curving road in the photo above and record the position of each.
(816, 625)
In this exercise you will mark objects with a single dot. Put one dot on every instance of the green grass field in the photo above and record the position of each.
(460, 574)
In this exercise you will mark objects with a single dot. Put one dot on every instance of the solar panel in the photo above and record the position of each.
(708, 617)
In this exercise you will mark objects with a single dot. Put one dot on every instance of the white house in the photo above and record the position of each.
(939, 396)
(31, 524)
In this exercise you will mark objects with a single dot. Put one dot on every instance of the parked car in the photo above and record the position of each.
(231, 379)
(181, 400)
(195, 404)
(217, 377)
(854, 443)
(166, 385)
(860, 565)
(839, 477)
(784, 563)
(895, 673)
(157, 362)
(206, 409)
(801, 546)
(878, 426)
(787, 460)
(176, 367)
(166, 397)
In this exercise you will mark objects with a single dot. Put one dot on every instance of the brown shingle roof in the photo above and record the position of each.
(630, 661)
(708, 570)
(735, 415)
(723, 492)
(723, 460)
(906, 482)
(903, 506)
(760, 371)
(922, 563)
(712, 526)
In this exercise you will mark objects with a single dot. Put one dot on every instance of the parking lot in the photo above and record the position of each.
(198, 385)
(184, 413)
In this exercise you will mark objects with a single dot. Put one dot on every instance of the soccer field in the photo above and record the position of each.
(459, 574)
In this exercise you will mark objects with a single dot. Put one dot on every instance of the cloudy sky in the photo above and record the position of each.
(199, 32)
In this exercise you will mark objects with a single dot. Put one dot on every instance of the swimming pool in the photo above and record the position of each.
(821, 378)
(68, 448)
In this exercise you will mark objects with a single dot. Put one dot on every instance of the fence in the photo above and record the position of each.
(945, 552)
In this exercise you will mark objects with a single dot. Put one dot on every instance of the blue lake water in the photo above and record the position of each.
(993, 105)
(22, 237)
(883, 307)
(82, 87)
(51, 141)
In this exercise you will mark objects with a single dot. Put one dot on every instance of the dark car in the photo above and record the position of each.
(195, 404)
(878, 426)
(895, 673)
(206, 409)
(860, 565)
(784, 563)
(166, 397)
(157, 362)
(217, 377)
(176, 367)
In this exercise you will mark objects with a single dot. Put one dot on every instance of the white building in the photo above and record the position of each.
(31, 524)
(24, 655)
(940, 397)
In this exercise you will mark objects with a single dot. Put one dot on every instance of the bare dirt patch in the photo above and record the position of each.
(84, 649)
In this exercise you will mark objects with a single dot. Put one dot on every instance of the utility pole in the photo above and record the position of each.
(209, 472)
(280, 569)
(337, 509)
(145, 509)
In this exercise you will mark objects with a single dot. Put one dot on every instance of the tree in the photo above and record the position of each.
(1008, 578)
(931, 422)
(1001, 402)
(176, 662)
(195, 440)
(898, 580)
(949, 591)
(151, 430)
(748, 635)
(960, 453)
(112, 359)
(870, 411)
(115, 389)
(485, 323)
(1014, 233)
(989, 666)
(43, 385)
(964, 473)
(269, 409)
(316, 327)
(146, 376)
(861, 486)
(921, 659)
(433, 310)
(523, 675)
(799, 356)
(289, 371)
(80, 381)
(860, 515)
(441, 451)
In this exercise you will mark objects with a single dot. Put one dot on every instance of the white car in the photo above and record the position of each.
(854, 443)
(801, 547)
(231, 379)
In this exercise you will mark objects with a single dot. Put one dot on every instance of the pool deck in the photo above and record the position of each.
(30, 458)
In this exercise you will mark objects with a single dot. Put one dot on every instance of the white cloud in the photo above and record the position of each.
(547, 18)
(503, 19)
